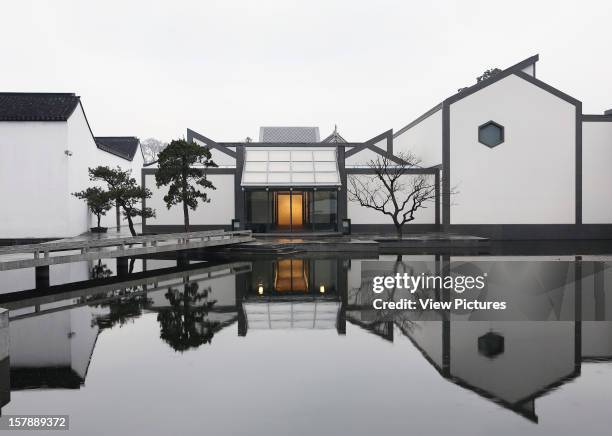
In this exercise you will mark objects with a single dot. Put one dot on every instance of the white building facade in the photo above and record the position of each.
(47, 146)
(513, 158)
(518, 159)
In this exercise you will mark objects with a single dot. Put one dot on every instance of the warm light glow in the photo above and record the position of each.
(322, 289)
(291, 275)
(260, 289)
(288, 210)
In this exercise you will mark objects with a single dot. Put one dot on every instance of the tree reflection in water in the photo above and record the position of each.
(122, 309)
(100, 271)
(184, 324)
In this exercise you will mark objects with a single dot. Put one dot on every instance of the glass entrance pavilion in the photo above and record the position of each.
(291, 189)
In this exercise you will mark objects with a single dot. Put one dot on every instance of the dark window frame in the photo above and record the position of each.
(501, 129)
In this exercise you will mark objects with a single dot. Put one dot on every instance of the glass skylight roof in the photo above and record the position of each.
(279, 166)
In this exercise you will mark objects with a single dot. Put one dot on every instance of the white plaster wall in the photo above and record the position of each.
(423, 140)
(41, 341)
(65, 338)
(363, 215)
(596, 173)
(85, 154)
(219, 211)
(220, 158)
(37, 177)
(33, 179)
(361, 158)
(528, 179)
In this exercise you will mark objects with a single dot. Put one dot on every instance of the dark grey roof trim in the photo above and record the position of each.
(433, 171)
(191, 135)
(388, 135)
(423, 117)
(546, 87)
(290, 144)
(103, 148)
(471, 90)
(597, 118)
(121, 146)
(111, 151)
(516, 68)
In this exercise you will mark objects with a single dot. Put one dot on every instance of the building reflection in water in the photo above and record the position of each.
(511, 363)
(291, 293)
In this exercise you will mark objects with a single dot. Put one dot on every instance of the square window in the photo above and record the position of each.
(325, 155)
(257, 155)
(256, 178)
(279, 178)
(328, 178)
(301, 166)
(279, 167)
(303, 178)
(256, 166)
(279, 155)
(301, 155)
(325, 166)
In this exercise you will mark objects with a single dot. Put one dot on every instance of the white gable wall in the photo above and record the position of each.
(33, 179)
(361, 158)
(596, 173)
(220, 210)
(424, 140)
(85, 154)
(220, 158)
(37, 177)
(528, 179)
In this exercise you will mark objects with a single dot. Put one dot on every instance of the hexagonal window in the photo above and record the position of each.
(491, 134)
(491, 344)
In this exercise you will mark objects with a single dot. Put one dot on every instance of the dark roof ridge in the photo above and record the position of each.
(72, 94)
(519, 66)
(35, 107)
(121, 146)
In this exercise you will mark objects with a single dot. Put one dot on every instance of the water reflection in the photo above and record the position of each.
(100, 270)
(53, 336)
(185, 323)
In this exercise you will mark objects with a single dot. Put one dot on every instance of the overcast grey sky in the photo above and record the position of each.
(223, 68)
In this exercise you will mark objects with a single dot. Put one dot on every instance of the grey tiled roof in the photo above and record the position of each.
(122, 146)
(289, 134)
(36, 106)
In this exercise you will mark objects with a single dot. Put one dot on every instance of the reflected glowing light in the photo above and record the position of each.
(322, 289)
(260, 289)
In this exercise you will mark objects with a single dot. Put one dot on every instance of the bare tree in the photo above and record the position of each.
(151, 147)
(393, 189)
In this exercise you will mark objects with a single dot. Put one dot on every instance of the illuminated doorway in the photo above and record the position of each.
(291, 275)
(290, 210)
(283, 210)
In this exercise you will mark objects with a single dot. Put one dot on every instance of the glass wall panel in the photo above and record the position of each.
(294, 211)
(258, 210)
(325, 209)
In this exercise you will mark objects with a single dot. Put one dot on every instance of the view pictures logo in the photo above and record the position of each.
(412, 283)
